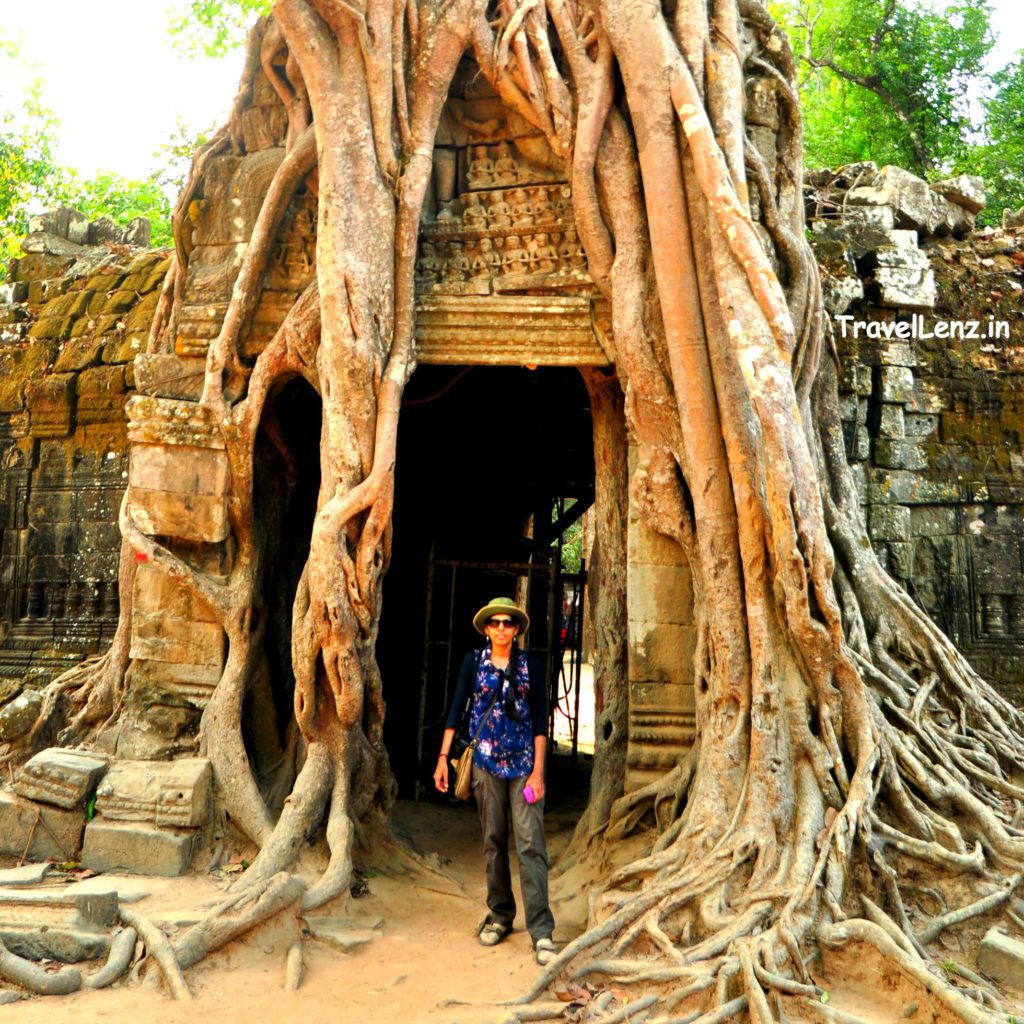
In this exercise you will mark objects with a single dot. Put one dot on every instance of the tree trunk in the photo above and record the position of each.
(841, 739)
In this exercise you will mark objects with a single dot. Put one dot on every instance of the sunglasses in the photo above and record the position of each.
(498, 623)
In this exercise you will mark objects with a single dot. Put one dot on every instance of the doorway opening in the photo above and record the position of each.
(495, 471)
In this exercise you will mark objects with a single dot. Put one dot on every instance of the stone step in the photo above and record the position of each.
(55, 926)
(66, 778)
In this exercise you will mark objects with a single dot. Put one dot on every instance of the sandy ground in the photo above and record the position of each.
(424, 955)
(426, 950)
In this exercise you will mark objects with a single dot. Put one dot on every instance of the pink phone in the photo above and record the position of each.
(528, 794)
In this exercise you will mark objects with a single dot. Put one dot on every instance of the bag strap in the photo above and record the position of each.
(483, 717)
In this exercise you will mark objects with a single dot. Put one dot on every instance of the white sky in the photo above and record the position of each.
(118, 86)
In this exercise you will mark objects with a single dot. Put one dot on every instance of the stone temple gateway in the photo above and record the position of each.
(507, 317)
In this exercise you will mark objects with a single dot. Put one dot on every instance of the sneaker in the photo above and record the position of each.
(545, 951)
(491, 933)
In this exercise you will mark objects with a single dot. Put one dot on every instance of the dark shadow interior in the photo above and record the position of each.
(480, 451)
(286, 497)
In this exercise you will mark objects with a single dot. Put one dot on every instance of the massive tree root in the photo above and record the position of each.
(843, 744)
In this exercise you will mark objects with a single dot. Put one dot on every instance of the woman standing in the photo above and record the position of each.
(508, 764)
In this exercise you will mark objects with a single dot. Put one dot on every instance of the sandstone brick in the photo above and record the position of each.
(889, 522)
(186, 470)
(60, 836)
(661, 651)
(1002, 958)
(895, 454)
(167, 793)
(186, 516)
(890, 421)
(162, 638)
(660, 593)
(896, 384)
(65, 778)
(136, 849)
(18, 716)
(932, 521)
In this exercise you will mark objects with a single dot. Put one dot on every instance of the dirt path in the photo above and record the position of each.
(425, 952)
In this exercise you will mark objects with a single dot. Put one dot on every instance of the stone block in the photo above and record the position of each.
(879, 217)
(1002, 958)
(896, 454)
(861, 444)
(170, 376)
(171, 683)
(891, 421)
(901, 559)
(661, 651)
(165, 793)
(63, 221)
(908, 488)
(897, 353)
(889, 522)
(896, 384)
(66, 778)
(966, 190)
(13, 291)
(18, 716)
(51, 404)
(180, 469)
(185, 516)
(164, 638)
(28, 874)
(105, 231)
(60, 834)
(660, 593)
(341, 933)
(933, 521)
(55, 926)
(840, 293)
(916, 205)
(44, 243)
(137, 849)
(78, 354)
(138, 232)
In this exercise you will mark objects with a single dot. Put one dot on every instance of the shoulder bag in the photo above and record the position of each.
(462, 763)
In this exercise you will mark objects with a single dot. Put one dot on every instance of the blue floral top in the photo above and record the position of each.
(505, 747)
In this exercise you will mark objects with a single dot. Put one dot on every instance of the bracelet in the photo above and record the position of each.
(442, 756)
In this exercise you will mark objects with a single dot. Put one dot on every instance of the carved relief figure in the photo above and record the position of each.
(522, 210)
(517, 259)
(481, 169)
(474, 216)
(543, 210)
(506, 171)
(570, 250)
(499, 214)
(544, 257)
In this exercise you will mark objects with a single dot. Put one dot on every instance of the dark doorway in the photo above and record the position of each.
(486, 455)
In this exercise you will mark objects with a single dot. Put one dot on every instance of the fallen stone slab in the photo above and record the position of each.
(19, 715)
(10, 996)
(137, 848)
(65, 778)
(38, 831)
(54, 926)
(1002, 958)
(172, 793)
(340, 933)
(29, 874)
(128, 890)
(966, 190)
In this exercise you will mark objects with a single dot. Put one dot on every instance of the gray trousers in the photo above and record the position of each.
(498, 800)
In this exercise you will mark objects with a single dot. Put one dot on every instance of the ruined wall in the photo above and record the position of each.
(73, 316)
(934, 418)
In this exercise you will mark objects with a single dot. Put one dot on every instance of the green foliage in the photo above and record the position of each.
(122, 200)
(999, 158)
(215, 27)
(887, 79)
(29, 175)
(32, 180)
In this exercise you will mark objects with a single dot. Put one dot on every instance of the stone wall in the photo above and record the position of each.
(933, 423)
(73, 316)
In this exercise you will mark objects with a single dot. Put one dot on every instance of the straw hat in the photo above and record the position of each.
(498, 606)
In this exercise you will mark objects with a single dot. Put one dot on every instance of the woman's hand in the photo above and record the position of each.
(536, 781)
(441, 774)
